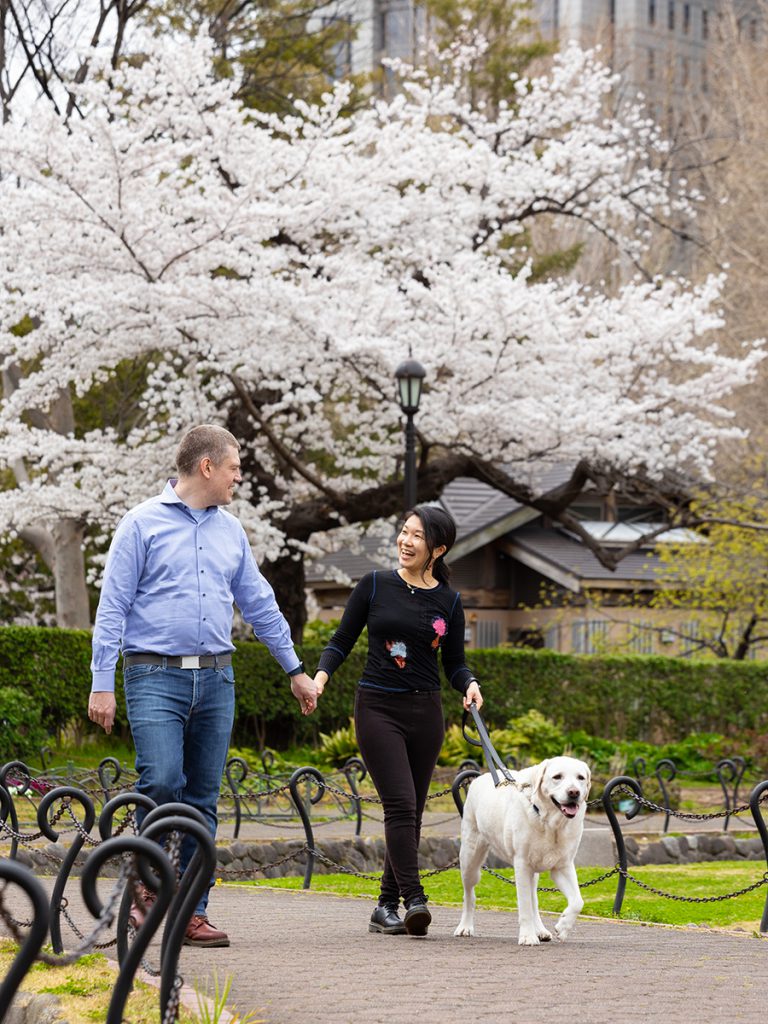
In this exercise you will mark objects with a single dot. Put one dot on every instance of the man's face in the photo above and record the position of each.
(222, 478)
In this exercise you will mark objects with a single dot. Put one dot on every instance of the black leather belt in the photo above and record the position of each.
(179, 660)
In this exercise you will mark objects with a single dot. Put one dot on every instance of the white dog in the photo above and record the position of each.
(534, 823)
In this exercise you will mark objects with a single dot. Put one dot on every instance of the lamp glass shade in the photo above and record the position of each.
(410, 375)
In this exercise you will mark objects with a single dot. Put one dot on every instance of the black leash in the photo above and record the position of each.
(492, 759)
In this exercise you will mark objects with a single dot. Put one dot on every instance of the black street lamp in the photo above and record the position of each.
(409, 376)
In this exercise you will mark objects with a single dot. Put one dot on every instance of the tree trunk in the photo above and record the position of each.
(286, 575)
(745, 641)
(72, 604)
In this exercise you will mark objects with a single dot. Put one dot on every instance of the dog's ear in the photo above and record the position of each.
(537, 775)
(525, 777)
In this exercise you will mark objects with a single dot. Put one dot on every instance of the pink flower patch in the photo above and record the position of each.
(440, 629)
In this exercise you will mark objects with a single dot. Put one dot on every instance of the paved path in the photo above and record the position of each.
(308, 958)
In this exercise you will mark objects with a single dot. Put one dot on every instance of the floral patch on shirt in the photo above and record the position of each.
(398, 651)
(440, 629)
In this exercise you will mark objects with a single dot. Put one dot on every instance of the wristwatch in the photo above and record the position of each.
(299, 670)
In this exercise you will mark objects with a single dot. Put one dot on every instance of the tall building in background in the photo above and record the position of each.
(386, 28)
(659, 47)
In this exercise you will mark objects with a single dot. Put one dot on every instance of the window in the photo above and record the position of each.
(671, 15)
(488, 634)
(341, 49)
(753, 31)
(588, 637)
(686, 18)
(651, 64)
(704, 77)
(685, 71)
(705, 24)
(397, 30)
(651, 12)
(552, 638)
(690, 632)
(641, 638)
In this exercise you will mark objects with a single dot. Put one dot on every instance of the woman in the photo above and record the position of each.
(411, 615)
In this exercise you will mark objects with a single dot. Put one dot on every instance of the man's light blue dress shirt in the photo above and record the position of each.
(171, 577)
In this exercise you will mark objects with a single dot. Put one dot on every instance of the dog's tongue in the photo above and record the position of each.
(569, 810)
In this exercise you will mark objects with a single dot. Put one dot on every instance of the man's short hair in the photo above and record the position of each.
(205, 441)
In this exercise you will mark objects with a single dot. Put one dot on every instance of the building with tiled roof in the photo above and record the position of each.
(524, 580)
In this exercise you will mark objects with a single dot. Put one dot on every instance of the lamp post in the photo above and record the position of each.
(409, 376)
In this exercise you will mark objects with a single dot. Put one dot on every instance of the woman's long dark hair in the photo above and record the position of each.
(439, 528)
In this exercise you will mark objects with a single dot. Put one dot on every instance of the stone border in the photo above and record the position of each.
(256, 858)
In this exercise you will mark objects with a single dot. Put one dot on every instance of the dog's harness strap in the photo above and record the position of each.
(492, 759)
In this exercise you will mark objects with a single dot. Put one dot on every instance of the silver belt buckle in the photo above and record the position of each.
(190, 661)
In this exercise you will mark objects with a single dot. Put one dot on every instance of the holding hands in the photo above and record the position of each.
(321, 678)
(303, 689)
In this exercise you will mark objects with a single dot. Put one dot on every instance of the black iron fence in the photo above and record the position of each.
(95, 813)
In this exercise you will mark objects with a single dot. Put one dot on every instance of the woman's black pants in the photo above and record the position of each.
(400, 736)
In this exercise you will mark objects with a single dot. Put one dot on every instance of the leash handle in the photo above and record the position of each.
(465, 719)
(492, 759)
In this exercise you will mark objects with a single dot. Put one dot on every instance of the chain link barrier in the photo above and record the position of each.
(693, 899)
(682, 815)
(344, 798)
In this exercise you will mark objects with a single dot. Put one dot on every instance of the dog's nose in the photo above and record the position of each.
(574, 794)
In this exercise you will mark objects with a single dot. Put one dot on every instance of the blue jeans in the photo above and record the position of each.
(181, 723)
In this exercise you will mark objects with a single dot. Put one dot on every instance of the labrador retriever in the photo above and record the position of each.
(534, 822)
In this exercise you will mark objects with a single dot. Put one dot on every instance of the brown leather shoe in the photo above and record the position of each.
(140, 906)
(200, 932)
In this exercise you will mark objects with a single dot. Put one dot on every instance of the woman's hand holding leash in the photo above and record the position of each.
(473, 694)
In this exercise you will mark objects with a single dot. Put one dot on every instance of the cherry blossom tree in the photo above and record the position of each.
(269, 273)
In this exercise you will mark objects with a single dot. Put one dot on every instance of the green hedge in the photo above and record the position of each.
(635, 697)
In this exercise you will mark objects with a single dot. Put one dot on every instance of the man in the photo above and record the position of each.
(176, 564)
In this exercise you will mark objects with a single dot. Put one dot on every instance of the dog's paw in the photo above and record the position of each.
(544, 935)
(464, 930)
(528, 939)
(562, 930)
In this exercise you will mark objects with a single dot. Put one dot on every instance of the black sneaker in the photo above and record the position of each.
(417, 918)
(386, 919)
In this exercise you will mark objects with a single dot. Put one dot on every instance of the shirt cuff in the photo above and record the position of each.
(103, 681)
(287, 658)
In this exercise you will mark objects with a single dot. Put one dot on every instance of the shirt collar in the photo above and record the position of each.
(170, 497)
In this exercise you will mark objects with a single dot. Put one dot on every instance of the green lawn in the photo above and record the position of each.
(690, 880)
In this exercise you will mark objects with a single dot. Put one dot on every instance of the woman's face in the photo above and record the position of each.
(412, 550)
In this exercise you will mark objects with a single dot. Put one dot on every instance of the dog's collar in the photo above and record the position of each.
(509, 781)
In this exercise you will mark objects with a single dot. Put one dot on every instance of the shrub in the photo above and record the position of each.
(337, 747)
(20, 724)
(455, 748)
(650, 700)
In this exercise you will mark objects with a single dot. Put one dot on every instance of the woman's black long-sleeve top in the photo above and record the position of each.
(407, 626)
